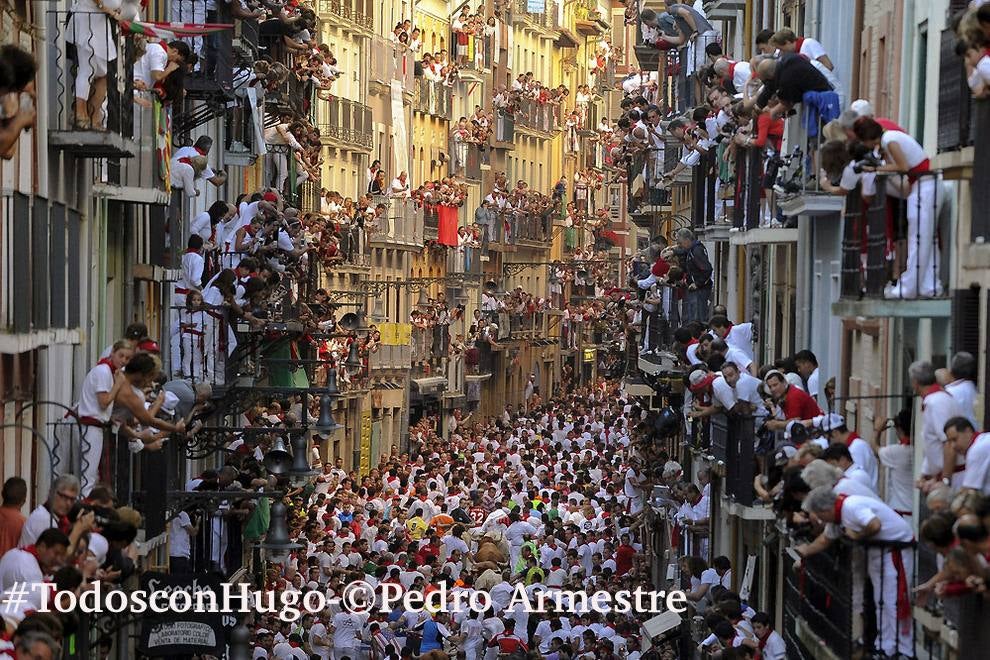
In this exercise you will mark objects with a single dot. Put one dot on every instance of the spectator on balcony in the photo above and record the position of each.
(695, 26)
(940, 465)
(890, 560)
(91, 32)
(977, 63)
(99, 389)
(975, 448)
(378, 184)
(793, 403)
(182, 159)
(399, 187)
(736, 335)
(17, 96)
(282, 138)
(698, 273)
(190, 340)
(905, 158)
(786, 41)
(735, 76)
(786, 81)
(959, 380)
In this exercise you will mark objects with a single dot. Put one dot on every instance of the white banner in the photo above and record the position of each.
(400, 134)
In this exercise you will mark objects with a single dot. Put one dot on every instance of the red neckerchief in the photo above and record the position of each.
(931, 389)
(109, 363)
(762, 642)
(192, 251)
(839, 501)
(798, 44)
(732, 69)
(691, 343)
(852, 436)
(904, 439)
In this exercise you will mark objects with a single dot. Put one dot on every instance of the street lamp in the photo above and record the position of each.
(326, 424)
(301, 469)
(353, 361)
(378, 311)
(277, 541)
(277, 460)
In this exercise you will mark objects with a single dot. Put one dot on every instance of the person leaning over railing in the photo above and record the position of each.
(17, 96)
(906, 159)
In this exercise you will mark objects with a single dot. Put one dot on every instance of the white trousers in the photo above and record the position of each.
(920, 276)
(191, 11)
(91, 454)
(184, 178)
(893, 636)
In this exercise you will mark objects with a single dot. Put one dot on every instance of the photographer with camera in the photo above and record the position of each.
(698, 274)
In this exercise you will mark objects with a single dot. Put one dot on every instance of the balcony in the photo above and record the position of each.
(346, 124)
(431, 222)
(139, 178)
(432, 98)
(956, 106)
(980, 184)
(40, 247)
(884, 258)
(527, 325)
(505, 131)
(647, 55)
(818, 607)
(797, 186)
(531, 230)
(646, 195)
(541, 118)
(588, 19)
(545, 21)
(731, 439)
(390, 62)
(464, 260)
(480, 55)
(402, 225)
(356, 13)
(390, 357)
(73, 127)
(468, 159)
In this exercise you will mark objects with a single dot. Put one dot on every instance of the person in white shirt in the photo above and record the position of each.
(31, 566)
(191, 274)
(890, 560)
(346, 627)
(838, 454)
(319, 637)
(787, 42)
(899, 460)
(975, 447)
(833, 426)
(960, 383)
(399, 186)
(769, 642)
(735, 335)
(939, 462)
(180, 533)
(807, 367)
(96, 397)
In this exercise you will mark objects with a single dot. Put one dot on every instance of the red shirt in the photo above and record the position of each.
(798, 404)
(623, 559)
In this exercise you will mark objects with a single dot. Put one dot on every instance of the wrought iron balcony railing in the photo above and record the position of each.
(891, 247)
(346, 122)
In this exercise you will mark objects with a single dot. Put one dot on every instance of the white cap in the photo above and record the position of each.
(171, 401)
(99, 546)
(828, 422)
(862, 107)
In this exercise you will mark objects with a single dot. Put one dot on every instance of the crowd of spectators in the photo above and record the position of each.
(462, 509)
(824, 480)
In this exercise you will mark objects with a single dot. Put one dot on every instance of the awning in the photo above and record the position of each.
(453, 400)
(567, 39)
(433, 386)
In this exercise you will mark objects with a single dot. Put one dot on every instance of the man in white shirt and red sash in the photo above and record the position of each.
(96, 397)
(889, 556)
(940, 464)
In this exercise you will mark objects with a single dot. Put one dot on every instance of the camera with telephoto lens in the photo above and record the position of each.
(864, 157)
